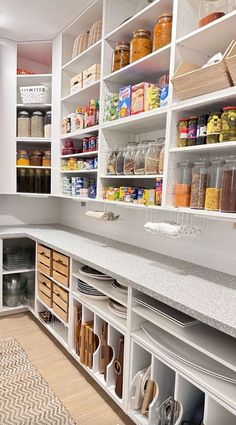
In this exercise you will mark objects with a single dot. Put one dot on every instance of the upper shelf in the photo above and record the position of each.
(217, 99)
(83, 96)
(84, 60)
(34, 79)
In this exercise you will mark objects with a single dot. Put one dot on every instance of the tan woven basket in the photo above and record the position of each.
(80, 44)
(95, 33)
(231, 62)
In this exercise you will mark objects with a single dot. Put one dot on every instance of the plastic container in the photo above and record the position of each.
(162, 31)
(141, 45)
(120, 162)
(228, 193)
(199, 184)
(111, 161)
(23, 124)
(183, 185)
(121, 56)
(214, 184)
(228, 124)
(139, 167)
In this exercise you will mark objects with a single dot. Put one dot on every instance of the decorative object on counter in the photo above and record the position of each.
(141, 45)
(23, 124)
(199, 184)
(213, 127)
(210, 10)
(121, 56)
(95, 33)
(214, 185)
(80, 44)
(182, 190)
(172, 230)
(228, 124)
(162, 31)
(34, 94)
(48, 125)
(228, 192)
(101, 215)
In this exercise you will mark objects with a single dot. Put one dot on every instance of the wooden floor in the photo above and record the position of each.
(86, 402)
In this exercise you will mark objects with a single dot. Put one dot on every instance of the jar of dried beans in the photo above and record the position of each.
(228, 194)
(183, 184)
(152, 158)
(141, 45)
(37, 127)
(199, 184)
(23, 124)
(214, 184)
(162, 31)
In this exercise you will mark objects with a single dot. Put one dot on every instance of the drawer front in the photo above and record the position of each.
(46, 252)
(43, 288)
(44, 269)
(64, 280)
(60, 292)
(45, 281)
(44, 260)
(59, 301)
(58, 267)
(45, 299)
(61, 259)
(61, 313)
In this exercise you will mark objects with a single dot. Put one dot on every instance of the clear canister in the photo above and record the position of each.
(37, 129)
(183, 184)
(214, 184)
(120, 162)
(199, 184)
(23, 124)
(228, 193)
(129, 160)
(152, 158)
(111, 161)
(139, 167)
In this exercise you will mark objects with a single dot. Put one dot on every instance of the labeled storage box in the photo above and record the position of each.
(45, 289)
(91, 75)
(76, 83)
(60, 302)
(44, 259)
(61, 268)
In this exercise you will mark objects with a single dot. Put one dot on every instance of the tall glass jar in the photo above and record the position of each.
(210, 10)
(121, 56)
(228, 124)
(214, 127)
(120, 162)
(228, 194)
(141, 45)
(139, 167)
(214, 184)
(37, 129)
(23, 124)
(23, 158)
(111, 161)
(152, 158)
(199, 184)
(47, 124)
(36, 158)
(162, 31)
(38, 181)
(183, 184)
(129, 160)
(162, 156)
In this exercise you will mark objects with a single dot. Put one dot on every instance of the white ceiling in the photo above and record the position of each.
(24, 20)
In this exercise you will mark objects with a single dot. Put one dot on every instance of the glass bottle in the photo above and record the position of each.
(31, 180)
(228, 124)
(162, 156)
(141, 45)
(202, 129)
(46, 159)
(228, 193)
(210, 10)
(47, 181)
(214, 127)
(38, 181)
(22, 186)
(183, 184)
(214, 184)
(129, 160)
(152, 158)
(120, 162)
(199, 184)
(162, 31)
(121, 56)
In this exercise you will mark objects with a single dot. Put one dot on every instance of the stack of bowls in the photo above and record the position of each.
(14, 290)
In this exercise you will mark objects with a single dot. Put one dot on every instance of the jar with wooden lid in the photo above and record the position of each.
(37, 128)
(47, 159)
(121, 56)
(23, 124)
(36, 158)
(23, 158)
(162, 31)
(141, 45)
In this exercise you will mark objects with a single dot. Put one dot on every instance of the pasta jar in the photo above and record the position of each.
(36, 158)
(214, 183)
(162, 31)
(23, 158)
(47, 159)
(141, 45)
(111, 161)
(37, 129)
(139, 167)
(199, 184)
(152, 158)
(182, 190)
(23, 124)
(213, 127)
(183, 133)
(120, 161)
(228, 124)
(121, 56)
(129, 160)
(228, 193)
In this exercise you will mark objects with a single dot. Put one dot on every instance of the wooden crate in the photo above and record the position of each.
(60, 302)
(44, 259)
(45, 289)
(231, 62)
(61, 268)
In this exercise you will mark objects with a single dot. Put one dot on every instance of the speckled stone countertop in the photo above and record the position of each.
(205, 294)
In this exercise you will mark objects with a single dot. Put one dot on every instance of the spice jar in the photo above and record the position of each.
(23, 158)
(36, 158)
(152, 158)
(111, 161)
(141, 45)
(210, 10)
(183, 185)
(192, 131)
(47, 124)
(162, 31)
(37, 124)
(183, 133)
(214, 183)
(23, 124)
(228, 124)
(202, 129)
(129, 160)
(120, 162)
(47, 159)
(214, 127)
(121, 56)
(139, 167)
(228, 193)
(199, 184)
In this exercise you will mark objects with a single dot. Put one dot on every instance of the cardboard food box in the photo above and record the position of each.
(145, 97)
(111, 107)
(76, 83)
(124, 105)
(91, 75)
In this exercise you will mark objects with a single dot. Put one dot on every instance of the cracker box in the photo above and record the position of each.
(124, 105)
(145, 97)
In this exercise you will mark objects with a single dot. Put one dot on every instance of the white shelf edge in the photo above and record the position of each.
(54, 280)
(7, 272)
(80, 133)
(33, 105)
(78, 93)
(79, 172)
(131, 176)
(80, 155)
(33, 76)
(33, 139)
(34, 167)
(133, 118)
(207, 147)
(84, 53)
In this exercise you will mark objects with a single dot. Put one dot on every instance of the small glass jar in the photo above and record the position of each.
(23, 158)
(129, 160)
(141, 45)
(214, 184)
(183, 133)
(199, 184)
(48, 125)
(23, 124)
(183, 184)
(228, 124)
(36, 158)
(162, 31)
(228, 193)
(37, 129)
(202, 129)
(210, 10)
(139, 167)
(214, 127)
(47, 159)
(192, 131)
(121, 56)
(111, 161)
(152, 158)
(120, 162)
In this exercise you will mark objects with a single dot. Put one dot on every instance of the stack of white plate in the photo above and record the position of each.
(118, 287)
(95, 274)
(89, 291)
(117, 309)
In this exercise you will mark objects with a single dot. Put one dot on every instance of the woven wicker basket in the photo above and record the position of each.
(231, 62)
(95, 33)
(80, 44)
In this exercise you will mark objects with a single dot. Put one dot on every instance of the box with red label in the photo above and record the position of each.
(145, 97)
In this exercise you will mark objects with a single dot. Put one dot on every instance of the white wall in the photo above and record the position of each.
(215, 248)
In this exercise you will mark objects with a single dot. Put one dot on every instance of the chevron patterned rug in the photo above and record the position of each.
(25, 398)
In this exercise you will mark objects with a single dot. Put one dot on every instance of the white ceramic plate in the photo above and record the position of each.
(98, 275)
(94, 297)
(116, 312)
(118, 288)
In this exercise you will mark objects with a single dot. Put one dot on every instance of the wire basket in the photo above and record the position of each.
(34, 94)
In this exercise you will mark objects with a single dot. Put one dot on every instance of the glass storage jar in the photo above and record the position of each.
(139, 167)
(199, 184)
(36, 158)
(141, 45)
(23, 158)
(47, 124)
(37, 124)
(129, 160)
(31, 180)
(38, 181)
(111, 161)
(162, 155)
(228, 124)
(120, 162)
(46, 187)
(152, 158)
(162, 31)
(183, 133)
(121, 56)
(228, 193)
(213, 127)
(182, 190)
(22, 180)
(202, 129)
(46, 159)
(214, 184)
(210, 10)
(23, 124)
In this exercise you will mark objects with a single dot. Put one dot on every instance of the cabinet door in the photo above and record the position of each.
(8, 64)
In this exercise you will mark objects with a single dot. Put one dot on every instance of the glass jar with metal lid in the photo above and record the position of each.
(228, 192)
(228, 124)
(23, 124)
(152, 158)
(36, 158)
(183, 184)
(121, 55)
(199, 184)
(162, 31)
(214, 184)
(213, 127)
(37, 129)
(46, 160)
(141, 45)
(23, 158)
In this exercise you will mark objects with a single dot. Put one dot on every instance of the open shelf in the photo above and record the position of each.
(52, 311)
(79, 134)
(34, 79)
(33, 167)
(132, 176)
(34, 106)
(6, 272)
(80, 172)
(33, 140)
(211, 148)
(80, 155)
(83, 96)
(139, 123)
(83, 60)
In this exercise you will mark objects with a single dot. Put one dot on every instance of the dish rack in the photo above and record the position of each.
(34, 94)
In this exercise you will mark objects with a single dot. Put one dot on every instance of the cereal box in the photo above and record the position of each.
(124, 106)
